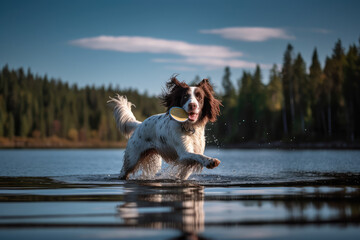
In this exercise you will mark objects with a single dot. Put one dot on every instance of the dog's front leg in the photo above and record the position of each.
(205, 161)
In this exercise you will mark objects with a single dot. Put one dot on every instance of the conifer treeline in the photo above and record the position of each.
(299, 104)
(34, 106)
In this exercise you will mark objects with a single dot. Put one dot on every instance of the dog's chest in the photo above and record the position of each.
(170, 142)
(195, 142)
(199, 146)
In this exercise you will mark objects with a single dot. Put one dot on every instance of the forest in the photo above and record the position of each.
(49, 110)
(299, 104)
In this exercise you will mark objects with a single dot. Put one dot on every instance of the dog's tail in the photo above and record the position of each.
(125, 119)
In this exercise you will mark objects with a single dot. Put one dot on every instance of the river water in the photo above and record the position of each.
(253, 194)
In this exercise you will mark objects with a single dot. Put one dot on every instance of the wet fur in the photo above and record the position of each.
(160, 137)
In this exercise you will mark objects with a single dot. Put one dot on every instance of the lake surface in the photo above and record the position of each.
(253, 194)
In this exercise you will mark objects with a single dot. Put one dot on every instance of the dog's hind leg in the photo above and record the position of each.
(132, 158)
(150, 163)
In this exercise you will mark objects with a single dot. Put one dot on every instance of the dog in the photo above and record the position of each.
(161, 137)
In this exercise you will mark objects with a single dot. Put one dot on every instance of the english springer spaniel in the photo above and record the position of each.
(161, 137)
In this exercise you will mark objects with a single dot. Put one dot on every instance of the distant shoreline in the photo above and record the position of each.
(59, 143)
(288, 146)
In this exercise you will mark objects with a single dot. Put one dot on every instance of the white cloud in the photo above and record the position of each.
(208, 56)
(250, 34)
(154, 45)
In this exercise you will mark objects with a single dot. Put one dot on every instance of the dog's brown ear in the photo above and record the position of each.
(171, 96)
(211, 105)
(212, 108)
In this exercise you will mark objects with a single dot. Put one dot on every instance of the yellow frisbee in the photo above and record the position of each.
(179, 114)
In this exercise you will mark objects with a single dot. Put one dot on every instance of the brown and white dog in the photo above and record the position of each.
(160, 137)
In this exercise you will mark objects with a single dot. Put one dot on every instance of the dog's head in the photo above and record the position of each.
(198, 101)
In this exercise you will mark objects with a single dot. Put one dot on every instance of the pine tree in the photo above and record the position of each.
(351, 91)
(229, 89)
(274, 91)
(10, 126)
(317, 96)
(258, 102)
(244, 108)
(334, 78)
(301, 94)
(328, 86)
(288, 89)
(274, 105)
(226, 121)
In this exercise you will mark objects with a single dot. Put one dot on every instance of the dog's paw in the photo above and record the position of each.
(213, 163)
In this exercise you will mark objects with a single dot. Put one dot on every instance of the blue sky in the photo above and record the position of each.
(140, 44)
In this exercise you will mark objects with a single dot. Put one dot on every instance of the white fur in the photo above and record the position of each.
(124, 118)
(162, 137)
(192, 99)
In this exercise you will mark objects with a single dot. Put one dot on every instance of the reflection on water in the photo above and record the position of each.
(176, 210)
(160, 205)
(179, 206)
(251, 195)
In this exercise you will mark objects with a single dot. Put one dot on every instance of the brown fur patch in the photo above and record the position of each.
(172, 96)
(211, 109)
